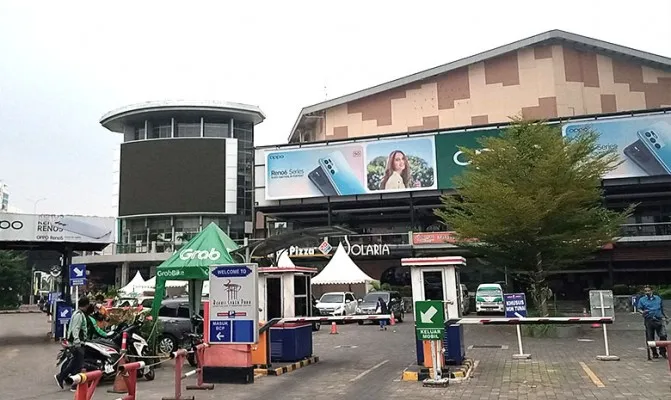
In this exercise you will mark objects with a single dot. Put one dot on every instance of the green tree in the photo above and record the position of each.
(15, 278)
(531, 199)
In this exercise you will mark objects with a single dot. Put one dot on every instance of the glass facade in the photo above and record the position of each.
(244, 132)
(159, 129)
(187, 127)
(216, 127)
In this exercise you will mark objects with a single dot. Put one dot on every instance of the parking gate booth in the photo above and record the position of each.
(437, 278)
(284, 292)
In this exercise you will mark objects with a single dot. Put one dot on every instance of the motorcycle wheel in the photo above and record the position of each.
(149, 376)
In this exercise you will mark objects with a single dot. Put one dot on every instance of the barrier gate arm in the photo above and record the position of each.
(534, 321)
(376, 317)
(662, 343)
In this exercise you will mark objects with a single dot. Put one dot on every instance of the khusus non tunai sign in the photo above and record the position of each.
(516, 305)
(234, 304)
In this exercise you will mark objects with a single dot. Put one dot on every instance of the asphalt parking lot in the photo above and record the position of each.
(363, 362)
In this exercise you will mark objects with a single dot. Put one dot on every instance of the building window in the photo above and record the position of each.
(160, 234)
(185, 229)
(187, 128)
(214, 127)
(160, 129)
(139, 133)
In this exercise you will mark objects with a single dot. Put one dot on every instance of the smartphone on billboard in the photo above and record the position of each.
(321, 180)
(641, 155)
(340, 174)
(657, 138)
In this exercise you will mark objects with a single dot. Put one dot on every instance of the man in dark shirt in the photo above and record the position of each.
(650, 305)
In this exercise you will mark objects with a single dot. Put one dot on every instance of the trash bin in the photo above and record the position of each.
(453, 342)
(290, 341)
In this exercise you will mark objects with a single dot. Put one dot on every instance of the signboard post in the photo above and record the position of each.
(601, 304)
(516, 307)
(77, 279)
(430, 325)
(234, 304)
(64, 315)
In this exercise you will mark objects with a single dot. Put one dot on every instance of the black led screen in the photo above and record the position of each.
(172, 176)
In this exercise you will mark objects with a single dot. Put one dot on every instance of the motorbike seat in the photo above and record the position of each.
(106, 342)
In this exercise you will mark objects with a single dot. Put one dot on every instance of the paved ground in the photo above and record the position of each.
(371, 367)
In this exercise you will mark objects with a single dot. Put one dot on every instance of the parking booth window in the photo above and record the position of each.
(301, 295)
(433, 285)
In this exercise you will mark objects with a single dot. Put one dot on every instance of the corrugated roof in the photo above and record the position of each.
(556, 35)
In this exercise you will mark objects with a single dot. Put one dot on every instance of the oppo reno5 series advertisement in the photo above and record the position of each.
(351, 169)
(643, 143)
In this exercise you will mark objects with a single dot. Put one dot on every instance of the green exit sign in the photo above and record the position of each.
(430, 320)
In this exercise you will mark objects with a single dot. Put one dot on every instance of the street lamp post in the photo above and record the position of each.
(35, 202)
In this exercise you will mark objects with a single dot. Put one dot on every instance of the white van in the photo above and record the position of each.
(489, 298)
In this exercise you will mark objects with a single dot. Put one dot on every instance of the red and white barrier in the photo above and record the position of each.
(535, 321)
(663, 343)
(86, 383)
(327, 318)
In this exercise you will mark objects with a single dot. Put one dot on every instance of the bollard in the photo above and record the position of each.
(178, 356)
(662, 343)
(129, 373)
(200, 358)
(86, 383)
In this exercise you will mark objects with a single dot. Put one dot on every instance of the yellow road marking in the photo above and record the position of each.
(595, 379)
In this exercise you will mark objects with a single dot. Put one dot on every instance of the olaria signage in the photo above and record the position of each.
(356, 250)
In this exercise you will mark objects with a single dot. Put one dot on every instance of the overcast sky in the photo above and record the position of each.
(64, 64)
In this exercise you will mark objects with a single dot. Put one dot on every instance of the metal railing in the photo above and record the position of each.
(646, 229)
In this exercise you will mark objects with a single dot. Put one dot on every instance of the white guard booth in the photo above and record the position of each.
(284, 290)
(437, 278)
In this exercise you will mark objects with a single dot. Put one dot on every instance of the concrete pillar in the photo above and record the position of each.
(117, 276)
(125, 267)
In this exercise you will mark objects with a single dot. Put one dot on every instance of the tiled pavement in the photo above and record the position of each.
(362, 362)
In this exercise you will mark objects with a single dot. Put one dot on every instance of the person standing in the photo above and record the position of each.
(77, 335)
(382, 309)
(651, 307)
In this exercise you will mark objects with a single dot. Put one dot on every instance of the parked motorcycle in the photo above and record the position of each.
(192, 339)
(103, 353)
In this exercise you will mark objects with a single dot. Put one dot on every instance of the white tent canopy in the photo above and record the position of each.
(341, 270)
(285, 261)
(150, 284)
(135, 285)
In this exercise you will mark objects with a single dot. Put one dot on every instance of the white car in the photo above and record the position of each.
(489, 298)
(337, 304)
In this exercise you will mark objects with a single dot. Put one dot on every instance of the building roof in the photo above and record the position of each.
(550, 37)
(115, 119)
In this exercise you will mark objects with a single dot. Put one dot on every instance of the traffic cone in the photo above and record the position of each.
(119, 381)
(392, 320)
(334, 328)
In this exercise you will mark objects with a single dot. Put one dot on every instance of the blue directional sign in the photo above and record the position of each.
(231, 271)
(64, 314)
(234, 299)
(77, 274)
(220, 331)
(516, 305)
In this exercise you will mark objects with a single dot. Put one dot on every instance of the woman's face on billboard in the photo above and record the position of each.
(399, 162)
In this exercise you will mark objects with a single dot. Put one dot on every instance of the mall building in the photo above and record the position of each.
(184, 164)
(377, 161)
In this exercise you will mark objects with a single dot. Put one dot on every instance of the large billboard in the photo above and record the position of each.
(56, 228)
(450, 159)
(352, 169)
(175, 176)
(643, 143)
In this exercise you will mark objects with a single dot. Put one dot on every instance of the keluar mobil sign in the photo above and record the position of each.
(378, 166)
(642, 142)
(56, 228)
